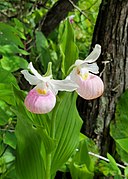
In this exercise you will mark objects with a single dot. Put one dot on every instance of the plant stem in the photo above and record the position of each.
(48, 166)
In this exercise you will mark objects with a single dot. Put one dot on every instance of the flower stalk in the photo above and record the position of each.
(48, 166)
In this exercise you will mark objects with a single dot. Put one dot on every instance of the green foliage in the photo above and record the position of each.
(126, 172)
(84, 21)
(66, 132)
(5, 86)
(42, 49)
(7, 142)
(119, 127)
(11, 51)
(82, 165)
(37, 144)
(68, 47)
(7, 169)
(13, 63)
(9, 35)
(29, 161)
(11, 45)
(111, 168)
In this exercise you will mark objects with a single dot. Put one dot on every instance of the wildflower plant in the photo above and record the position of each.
(48, 125)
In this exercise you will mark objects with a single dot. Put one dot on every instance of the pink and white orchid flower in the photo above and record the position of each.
(42, 98)
(90, 85)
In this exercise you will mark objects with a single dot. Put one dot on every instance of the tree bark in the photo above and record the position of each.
(111, 32)
(57, 13)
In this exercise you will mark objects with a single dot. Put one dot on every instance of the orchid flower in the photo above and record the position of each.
(90, 85)
(71, 18)
(42, 98)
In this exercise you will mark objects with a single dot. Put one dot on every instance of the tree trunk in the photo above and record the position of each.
(111, 32)
(58, 12)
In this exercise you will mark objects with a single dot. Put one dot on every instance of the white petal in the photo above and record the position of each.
(72, 75)
(84, 71)
(63, 85)
(33, 70)
(33, 80)
(91, 67)
(79, 62)
(94, 55)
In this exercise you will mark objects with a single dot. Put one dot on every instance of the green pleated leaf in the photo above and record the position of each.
(67, 130)
(68, 47)
(46, 138)
(119, 128)
(42, 49)
(33, 142)
(29, 161)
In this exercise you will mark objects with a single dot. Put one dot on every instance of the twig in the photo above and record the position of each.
(105, 159)
(105, 63)
(76, 7)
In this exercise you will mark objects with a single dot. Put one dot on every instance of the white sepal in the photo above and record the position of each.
(62, 85)
(94, 55)
(34, 71)
(32, 79)
(91, 67)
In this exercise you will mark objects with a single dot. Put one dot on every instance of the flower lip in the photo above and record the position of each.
(38, 103)
(91, 88)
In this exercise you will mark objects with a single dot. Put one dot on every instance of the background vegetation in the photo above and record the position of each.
(22, 41)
